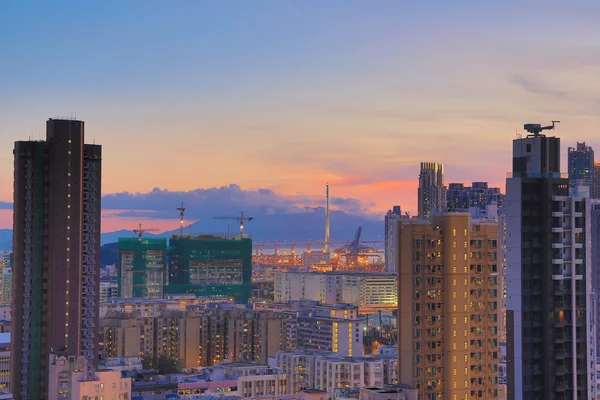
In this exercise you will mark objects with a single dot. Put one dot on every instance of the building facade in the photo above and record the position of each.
(210, 266)
(367, 291)
(582, 170)
(431, 192)
(550, 344)
(460, 198)
(56, 253)
(141, 267)
(448, 307)
(6, 277)
(391, 227)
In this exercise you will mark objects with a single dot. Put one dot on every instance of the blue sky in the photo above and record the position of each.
(289, 95)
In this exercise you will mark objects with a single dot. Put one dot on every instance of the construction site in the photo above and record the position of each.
(324, 255)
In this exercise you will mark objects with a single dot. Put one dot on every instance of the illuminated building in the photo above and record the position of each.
(448, 306)
(56, 253)
(582, 171)
(5, 361)
(369, 291)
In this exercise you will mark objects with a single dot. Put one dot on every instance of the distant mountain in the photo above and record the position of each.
(6, 239)
(308, 225)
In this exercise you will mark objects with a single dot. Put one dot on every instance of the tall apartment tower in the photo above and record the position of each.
(549, 321)
(582, 171)
(56, 254)
(448, 306)
(391, 243)
(431, 192)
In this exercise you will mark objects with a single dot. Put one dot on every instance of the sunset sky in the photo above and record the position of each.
(287, 96)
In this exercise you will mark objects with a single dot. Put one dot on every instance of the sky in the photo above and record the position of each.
(196, 97)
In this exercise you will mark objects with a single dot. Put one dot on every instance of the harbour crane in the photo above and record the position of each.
(140, 231)
(240, 219)
(536, 129)
(181, 213)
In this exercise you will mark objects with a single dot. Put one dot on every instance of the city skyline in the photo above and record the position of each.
(353, 95)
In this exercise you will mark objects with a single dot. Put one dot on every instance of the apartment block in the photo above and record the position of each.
(56, 253)
(551, 341)
(324, 333)
(369, 291)
(330, 372)
(448, 310)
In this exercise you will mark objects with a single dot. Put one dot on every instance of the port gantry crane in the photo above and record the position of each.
(240, 219)
(140, 231)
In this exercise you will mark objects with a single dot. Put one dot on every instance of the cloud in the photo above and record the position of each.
(535, 87)
(221, 201)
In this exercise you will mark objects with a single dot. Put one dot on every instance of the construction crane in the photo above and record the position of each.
(536, 129)
(140, 231)
(181, 213)
(240, 219)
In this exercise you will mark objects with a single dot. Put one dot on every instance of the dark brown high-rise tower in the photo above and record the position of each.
(56, 248)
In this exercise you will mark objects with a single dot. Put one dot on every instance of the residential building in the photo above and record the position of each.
(56, 253)
(198, 338)
(582, 168)
(431, 192)
(370, 291)
(391, 243)
(460, 198)
(388, 392)
(324, 333)
(448, 309)
(550, 340)
(309, 370)
(69, 379)
(595, 262)
(141, 267)
(6, 277)
(109, 291)
(5, 361)
(210, 266)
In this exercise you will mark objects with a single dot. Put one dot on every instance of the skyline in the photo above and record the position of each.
(269, 96)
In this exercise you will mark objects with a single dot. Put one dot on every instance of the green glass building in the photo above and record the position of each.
(209, 265)
(141, 267)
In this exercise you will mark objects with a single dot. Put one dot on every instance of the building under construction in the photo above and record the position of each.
(141, 267)
(208, 265)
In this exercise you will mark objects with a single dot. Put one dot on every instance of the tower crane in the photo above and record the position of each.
(240, 219)
(536, 129)
(140, 231)
(181, 213)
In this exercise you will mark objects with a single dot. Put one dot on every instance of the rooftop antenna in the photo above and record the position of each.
(327, 232)
(181, 214)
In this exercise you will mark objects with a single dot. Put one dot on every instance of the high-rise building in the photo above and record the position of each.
(460, 198)
(141, 267)
(209, 265)
(448, 306)
(595, 261)
(550, 340)
(56, 254)
(391, 244)
(431, 192)
(6, 277)
(582, 170)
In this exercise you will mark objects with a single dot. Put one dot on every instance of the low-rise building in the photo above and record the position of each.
(331, 372)
(388, 392)
(5, 361)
